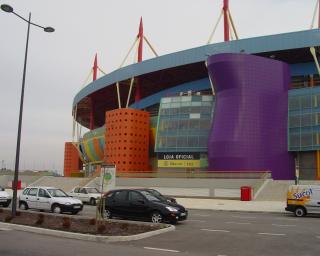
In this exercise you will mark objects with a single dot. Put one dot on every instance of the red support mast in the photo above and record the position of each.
(94, 77)
(140, 36)
(95, 68)
(226, 20)
(140, 48)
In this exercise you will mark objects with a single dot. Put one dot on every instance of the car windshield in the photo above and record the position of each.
(57, 193)
(156, 194)
(92, 190)
(149, 196)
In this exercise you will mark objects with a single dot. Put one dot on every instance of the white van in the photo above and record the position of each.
(303, 199)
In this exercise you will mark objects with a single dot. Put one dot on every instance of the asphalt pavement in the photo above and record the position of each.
(206, 232)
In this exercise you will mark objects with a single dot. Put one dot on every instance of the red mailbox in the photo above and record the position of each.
(18, 184)
(246, 193)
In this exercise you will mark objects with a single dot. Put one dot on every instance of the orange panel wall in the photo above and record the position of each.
(127, 140)
(72, 161)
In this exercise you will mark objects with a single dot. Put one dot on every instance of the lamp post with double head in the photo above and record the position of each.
(9, 9)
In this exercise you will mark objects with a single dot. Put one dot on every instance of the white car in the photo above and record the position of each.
(50, 199)
(5, 198)
(86, 194)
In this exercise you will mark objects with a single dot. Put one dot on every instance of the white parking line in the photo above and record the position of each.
(215, 230)
(5, 229)
(283, 225)
(240, 223)
(160, 249)
(289, 219)
(202, 215)
(244, 217)
(271, 234)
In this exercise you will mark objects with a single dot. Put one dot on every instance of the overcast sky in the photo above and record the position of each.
(59, 62)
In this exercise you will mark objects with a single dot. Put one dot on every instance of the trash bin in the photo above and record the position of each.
(246, 193)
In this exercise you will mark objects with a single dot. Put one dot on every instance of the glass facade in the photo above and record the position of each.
(304, 119)
(184, 123)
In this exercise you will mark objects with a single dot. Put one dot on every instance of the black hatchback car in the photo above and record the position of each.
(141, 204)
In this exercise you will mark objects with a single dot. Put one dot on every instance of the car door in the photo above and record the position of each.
(119, 203)
(43, 199)
(31, 198)
(138, 205)
(83, 195)
(75, 193)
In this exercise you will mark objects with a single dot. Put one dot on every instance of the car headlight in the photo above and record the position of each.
(171, 209)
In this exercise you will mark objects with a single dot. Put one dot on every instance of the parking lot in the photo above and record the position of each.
(208, 232)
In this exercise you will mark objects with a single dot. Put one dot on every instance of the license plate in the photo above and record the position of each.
(183, 214)
(76, 207)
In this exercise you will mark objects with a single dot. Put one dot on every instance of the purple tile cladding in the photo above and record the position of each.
(249, 128)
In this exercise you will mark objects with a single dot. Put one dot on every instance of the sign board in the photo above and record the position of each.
(179, 160)
(107, 177)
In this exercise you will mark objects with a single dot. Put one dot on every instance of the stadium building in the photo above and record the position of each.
(246, 106)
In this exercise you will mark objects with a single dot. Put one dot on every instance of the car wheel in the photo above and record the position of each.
(299, 212)
(23, 206)
(156, 217)
(107, 214)
(93, 201)
(56, 209)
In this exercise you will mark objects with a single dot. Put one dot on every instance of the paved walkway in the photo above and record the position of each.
(233, 205)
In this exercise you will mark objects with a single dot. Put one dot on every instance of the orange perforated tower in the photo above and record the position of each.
(72, 162)
(127, 140)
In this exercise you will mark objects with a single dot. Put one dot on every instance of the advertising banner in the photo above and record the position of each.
(107, 177)
(179, 160)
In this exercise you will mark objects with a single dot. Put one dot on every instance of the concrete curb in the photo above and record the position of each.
(86, 237)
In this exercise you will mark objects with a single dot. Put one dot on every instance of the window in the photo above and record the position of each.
(76, 190)
(109, 195)
(57, 193)
(33, 192)
(43, 193)
(120, 195)
(135, 196)
(83, 191)
(26, 191)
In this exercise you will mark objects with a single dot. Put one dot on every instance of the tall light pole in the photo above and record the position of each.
(9, 9)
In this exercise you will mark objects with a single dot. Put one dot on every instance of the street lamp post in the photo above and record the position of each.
(9, 9)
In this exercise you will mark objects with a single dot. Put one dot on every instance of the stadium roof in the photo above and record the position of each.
(175, 71)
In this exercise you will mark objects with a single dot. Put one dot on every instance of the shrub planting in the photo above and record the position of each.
(8, 218)
(92, 221)
(40, 219)
(101, 228)
(66, 222)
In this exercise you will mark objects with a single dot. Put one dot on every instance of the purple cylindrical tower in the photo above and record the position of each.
(249, 127)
